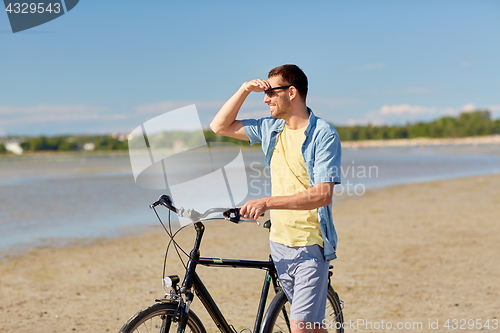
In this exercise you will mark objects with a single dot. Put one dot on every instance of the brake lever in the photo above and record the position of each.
(232, 214)
(248, 220)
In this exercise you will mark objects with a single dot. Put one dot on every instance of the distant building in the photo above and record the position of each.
(89, 146)
(14, 147)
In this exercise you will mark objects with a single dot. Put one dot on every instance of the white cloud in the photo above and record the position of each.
(469, 107)
(48, 109)
(402, 113)
(48, 113)
(406, 109)
(493, 108)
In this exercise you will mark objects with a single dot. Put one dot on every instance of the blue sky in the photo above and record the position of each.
(108, 66)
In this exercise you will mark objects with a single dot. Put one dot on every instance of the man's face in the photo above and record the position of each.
(279, 102)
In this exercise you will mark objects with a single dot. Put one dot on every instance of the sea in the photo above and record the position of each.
(53, 199)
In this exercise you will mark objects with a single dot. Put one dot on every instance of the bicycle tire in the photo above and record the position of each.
(152, 318)
(276, 317)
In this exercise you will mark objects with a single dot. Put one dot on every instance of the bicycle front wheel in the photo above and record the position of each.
(158, 318)
(277, 318)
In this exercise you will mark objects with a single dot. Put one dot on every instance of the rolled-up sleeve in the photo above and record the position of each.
(327, 160)
(253, 129)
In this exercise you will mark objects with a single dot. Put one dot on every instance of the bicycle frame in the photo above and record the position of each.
(192, 280)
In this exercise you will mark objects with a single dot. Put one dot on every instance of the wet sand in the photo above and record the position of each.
(409, 253)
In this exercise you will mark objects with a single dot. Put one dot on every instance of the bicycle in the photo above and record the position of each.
(172, 313)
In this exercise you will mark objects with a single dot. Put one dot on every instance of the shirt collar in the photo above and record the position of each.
(312, 122)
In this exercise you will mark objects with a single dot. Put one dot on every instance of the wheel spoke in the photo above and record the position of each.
(158, 318)
(279, 311)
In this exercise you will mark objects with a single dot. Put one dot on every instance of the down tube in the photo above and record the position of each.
(209, 304)
(262, 303)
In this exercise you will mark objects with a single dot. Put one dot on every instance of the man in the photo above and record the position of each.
(303, 155)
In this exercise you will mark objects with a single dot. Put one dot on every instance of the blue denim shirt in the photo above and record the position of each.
(322, 154)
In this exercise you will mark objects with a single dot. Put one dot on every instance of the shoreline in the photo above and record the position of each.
(48, 153)
(426, 251)
(473, 140)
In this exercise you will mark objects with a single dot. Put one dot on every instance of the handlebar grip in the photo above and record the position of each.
(233, 214)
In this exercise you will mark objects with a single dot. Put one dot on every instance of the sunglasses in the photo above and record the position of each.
(269, 92)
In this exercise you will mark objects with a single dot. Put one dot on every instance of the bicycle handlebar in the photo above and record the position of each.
(231, 214)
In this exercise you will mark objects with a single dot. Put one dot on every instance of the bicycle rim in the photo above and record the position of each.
(158, 318)
(277, 319)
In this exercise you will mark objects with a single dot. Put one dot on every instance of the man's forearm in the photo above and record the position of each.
(318, 196)
(312, 198)
(227, 114)
(225, 121)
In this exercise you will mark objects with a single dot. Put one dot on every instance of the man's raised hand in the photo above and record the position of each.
(256, 85)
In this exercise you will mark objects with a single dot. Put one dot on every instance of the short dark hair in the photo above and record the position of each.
(291, 75)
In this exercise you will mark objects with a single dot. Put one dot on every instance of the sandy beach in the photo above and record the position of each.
(414, 253)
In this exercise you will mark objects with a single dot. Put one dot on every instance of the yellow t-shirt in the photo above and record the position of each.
(289, 176)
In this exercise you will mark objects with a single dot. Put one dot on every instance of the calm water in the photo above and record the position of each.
(49, 199)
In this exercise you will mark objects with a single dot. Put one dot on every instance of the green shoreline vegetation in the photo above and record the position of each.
(467, 124)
